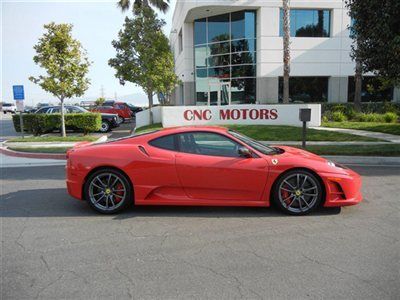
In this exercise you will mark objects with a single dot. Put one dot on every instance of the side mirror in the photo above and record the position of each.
(244, 152)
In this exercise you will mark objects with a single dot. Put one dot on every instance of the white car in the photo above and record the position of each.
(9, 107)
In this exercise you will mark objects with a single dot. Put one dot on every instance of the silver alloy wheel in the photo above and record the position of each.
(107, 191)
(104, 127)
(298, 193)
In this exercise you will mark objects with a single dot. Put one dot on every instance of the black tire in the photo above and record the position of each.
(91, 183)
(105, 126)
(293, 196)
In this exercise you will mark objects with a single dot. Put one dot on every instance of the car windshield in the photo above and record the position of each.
(253, 143)
(7, 104)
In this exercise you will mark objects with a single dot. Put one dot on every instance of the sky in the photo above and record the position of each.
(96, 24)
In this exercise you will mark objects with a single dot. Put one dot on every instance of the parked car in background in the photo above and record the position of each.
(108, 121)
(134, 109)
(120, 108)
(29, 109)
(9, 108)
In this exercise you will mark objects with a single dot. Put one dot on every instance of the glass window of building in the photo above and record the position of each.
(243, 25)
(225, 58)
(218, 28)
(200, 55)
(372, 90)
(200, 30)
(306, 89)
(308, 22)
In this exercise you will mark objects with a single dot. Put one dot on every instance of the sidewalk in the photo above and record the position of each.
(378, 135)
(321, 143)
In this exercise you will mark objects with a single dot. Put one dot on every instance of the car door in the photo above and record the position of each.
(209, 167)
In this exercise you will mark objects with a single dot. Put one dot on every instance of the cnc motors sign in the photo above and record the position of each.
(278, 114)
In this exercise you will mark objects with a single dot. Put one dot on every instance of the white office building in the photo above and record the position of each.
(231, 52)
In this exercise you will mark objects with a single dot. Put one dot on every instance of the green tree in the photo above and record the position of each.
(100, 101)
(143, 55)
(376, 33)
(138, 4)
(65, 63)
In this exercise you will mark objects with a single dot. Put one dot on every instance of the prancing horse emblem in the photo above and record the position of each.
(274, 161)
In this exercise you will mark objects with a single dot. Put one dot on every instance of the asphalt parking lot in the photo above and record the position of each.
(56, 247)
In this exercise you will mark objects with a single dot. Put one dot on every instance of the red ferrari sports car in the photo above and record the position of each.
(205, 166)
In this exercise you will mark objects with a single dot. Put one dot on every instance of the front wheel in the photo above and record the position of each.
(105, 126)
(108, 191)
(298, 192)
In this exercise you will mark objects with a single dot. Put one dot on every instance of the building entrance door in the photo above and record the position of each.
(219, 93)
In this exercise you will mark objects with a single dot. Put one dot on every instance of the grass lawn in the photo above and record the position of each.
(361, 150)
(391, 128)
(147, 128)
(281, 133)
(88, 138)
(291, 133)
(41, 149)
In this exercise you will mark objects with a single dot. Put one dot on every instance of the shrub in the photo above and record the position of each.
(371, 117)
(366, 107)
(325, 119)
(390, 117)
(338, 116)
(38, 124)
(87, 122)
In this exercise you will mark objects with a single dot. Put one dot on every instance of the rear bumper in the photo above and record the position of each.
(342, 189)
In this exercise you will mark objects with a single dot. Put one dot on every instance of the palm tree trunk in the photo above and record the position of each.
(286, 50)
(358, 83)
(63, 132)
(150, 98)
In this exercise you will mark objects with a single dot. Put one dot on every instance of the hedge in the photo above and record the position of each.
(370, 112)
(41, 123)
(366, 107)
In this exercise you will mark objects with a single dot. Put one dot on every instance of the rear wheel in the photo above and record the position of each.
(298, 192)
(108, 191)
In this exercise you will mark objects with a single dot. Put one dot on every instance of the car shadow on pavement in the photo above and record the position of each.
(57, 203)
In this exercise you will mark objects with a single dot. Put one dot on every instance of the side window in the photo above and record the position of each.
(42, 110)
(55, 110)
(73, 110)
(165, 142)
(207, 143)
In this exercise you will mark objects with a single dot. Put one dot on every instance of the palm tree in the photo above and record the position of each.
(286, 50)
(162, 5)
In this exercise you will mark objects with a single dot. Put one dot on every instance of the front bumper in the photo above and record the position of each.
(342, 189)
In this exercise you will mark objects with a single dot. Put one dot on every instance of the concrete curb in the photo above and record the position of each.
(9, 152)
(101, 139)
(321, 143)
(393, 161)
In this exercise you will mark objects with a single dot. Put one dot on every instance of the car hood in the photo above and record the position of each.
(292, 151)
